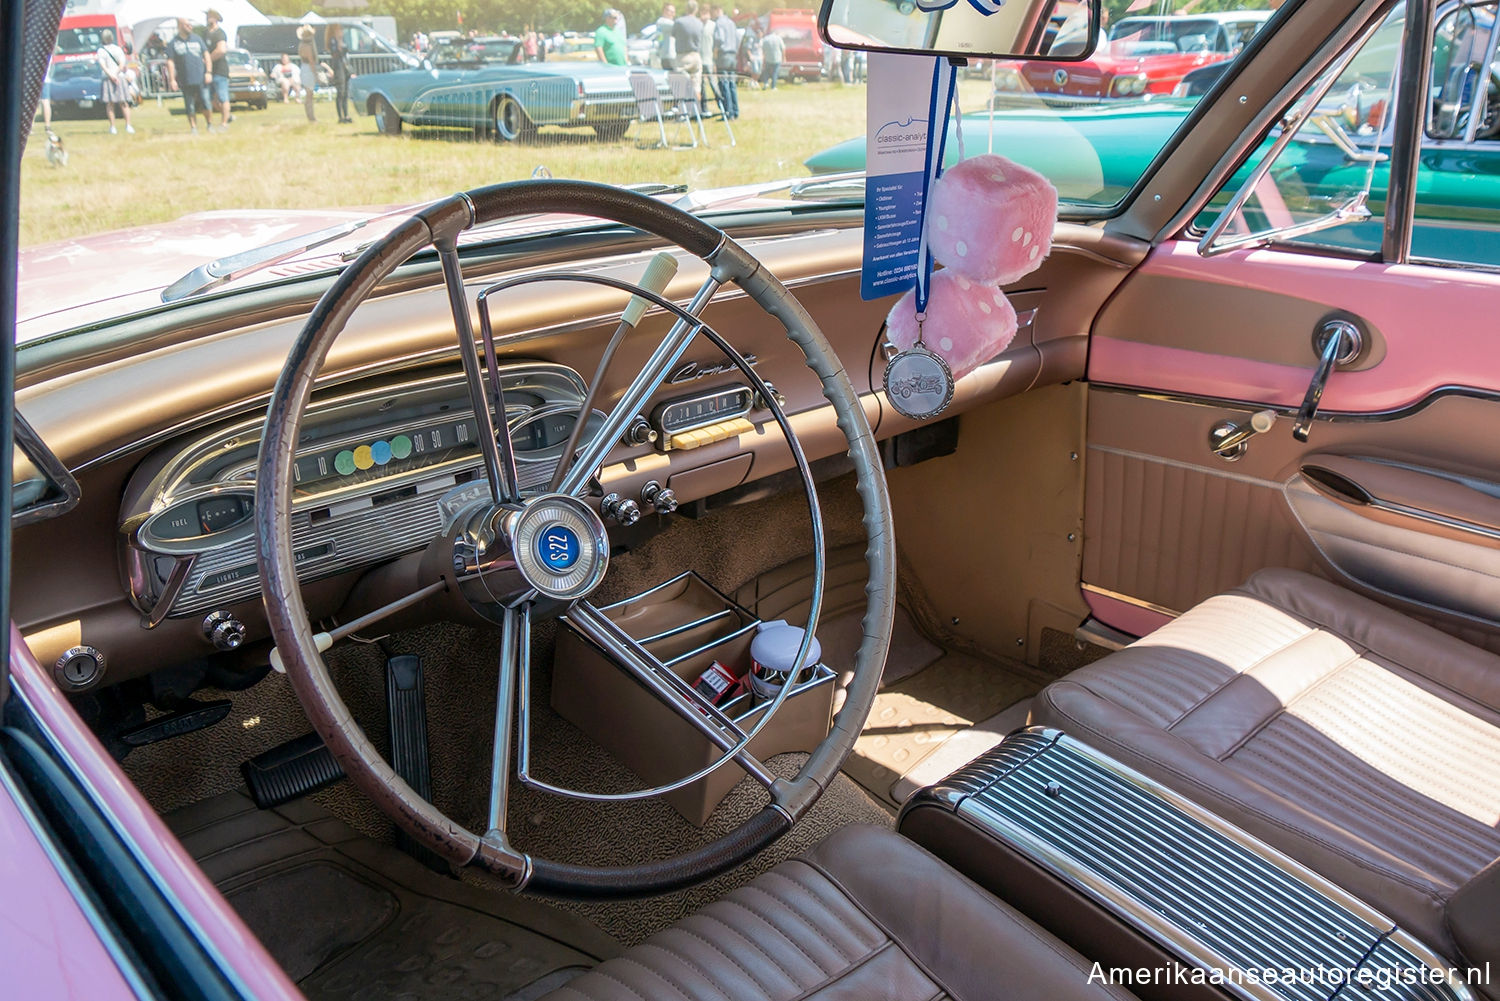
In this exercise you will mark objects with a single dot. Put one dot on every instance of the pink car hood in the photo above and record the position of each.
(92, 279)
(97, 278)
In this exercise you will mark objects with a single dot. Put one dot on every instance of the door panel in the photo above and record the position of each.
(1169, 523)
(1239, 326)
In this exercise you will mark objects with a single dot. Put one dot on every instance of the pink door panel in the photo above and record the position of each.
(1189, 342)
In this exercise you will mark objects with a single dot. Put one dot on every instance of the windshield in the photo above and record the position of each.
(340, 129)
(76, 41)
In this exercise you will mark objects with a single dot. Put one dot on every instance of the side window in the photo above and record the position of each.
(1326, 186)
(1457, 217)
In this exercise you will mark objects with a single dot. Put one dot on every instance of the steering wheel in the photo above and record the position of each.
(495, 557)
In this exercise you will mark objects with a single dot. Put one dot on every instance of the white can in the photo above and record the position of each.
(772, 655)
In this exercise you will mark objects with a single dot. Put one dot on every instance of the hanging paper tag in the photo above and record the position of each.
(918, 382)
(896, 112)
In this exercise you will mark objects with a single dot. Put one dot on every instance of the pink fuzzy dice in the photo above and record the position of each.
(967, 323)
(990, 219)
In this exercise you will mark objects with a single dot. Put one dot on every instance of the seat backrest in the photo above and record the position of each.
(647, 99)
(684, 94)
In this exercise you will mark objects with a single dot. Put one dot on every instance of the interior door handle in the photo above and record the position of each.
(1338, 342)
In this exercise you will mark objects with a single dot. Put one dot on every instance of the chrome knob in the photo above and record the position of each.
(661, 498)
(624, 511)
(640, 432)
(224, 631)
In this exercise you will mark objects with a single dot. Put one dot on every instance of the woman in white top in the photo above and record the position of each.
(116, 86)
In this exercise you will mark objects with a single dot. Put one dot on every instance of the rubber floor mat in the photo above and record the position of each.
(348, 917)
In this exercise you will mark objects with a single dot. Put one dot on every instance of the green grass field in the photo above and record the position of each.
(277, 159)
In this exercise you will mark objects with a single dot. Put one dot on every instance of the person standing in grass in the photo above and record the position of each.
(609, 39)
(338, 60)
(772, 52)
(217, 43)
(687, 33)
(307, 57)
(187, 72)
(666, 37)
(115, 90)
(726, 49)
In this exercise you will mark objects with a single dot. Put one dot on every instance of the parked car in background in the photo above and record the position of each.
(80, 35)
(369, 52)
(485, 84)
(1139, 56)
(248, 83)
(804, 48)
(76, 90)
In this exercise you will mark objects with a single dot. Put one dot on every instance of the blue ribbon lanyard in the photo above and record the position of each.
(944, 94)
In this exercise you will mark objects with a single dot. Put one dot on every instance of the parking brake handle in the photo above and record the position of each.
(1338, 343)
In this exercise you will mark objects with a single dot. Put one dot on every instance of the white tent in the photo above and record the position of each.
(311, 18)
(146, 16)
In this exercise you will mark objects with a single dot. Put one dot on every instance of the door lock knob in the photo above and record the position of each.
(1229, 439)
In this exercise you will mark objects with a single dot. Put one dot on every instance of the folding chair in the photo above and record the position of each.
(685, 100)
(648, 105)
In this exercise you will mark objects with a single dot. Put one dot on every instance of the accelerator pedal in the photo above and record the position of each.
(406, 711)
(290, 771)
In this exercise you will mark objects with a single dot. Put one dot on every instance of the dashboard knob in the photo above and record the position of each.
(661, 498)
(224, 631)
(640, 432)
(624, 511)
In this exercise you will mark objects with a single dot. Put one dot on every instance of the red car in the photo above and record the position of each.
(1141, 55)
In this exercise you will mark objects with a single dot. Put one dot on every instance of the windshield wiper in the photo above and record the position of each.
(206, 277)
(807, 188)
(214, 274)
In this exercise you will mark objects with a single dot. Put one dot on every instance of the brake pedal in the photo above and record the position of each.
(406, 712)
(406, 709)
(290, 771)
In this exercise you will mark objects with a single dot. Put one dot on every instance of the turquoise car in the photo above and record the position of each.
(488, 88)
(1095, 155)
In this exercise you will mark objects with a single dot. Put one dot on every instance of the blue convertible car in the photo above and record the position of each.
(484, 84)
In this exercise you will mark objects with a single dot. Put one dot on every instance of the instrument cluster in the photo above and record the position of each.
(369, 470)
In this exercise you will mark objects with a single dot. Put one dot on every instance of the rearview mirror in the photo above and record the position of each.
(1054, 30)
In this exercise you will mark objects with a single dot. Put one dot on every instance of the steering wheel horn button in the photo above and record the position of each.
(560, 546)
(557, 547)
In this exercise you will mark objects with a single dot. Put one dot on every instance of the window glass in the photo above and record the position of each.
(1327, 185)
(1458, 180)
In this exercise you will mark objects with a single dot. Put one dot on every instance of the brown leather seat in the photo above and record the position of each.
(1360, 742)
(866, 915)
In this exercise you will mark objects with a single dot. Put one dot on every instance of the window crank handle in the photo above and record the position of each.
(1338, 343)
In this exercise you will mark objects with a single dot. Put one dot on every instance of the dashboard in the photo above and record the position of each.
(162, 431)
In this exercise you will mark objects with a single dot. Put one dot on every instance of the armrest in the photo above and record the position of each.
(1416, 493)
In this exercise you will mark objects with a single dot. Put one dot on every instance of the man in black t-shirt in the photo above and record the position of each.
(187, 71)
(217, 44)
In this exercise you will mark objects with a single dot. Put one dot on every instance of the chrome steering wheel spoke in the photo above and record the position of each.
(579, 474)
(489, 405)
(627, 653)
(515, 661)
